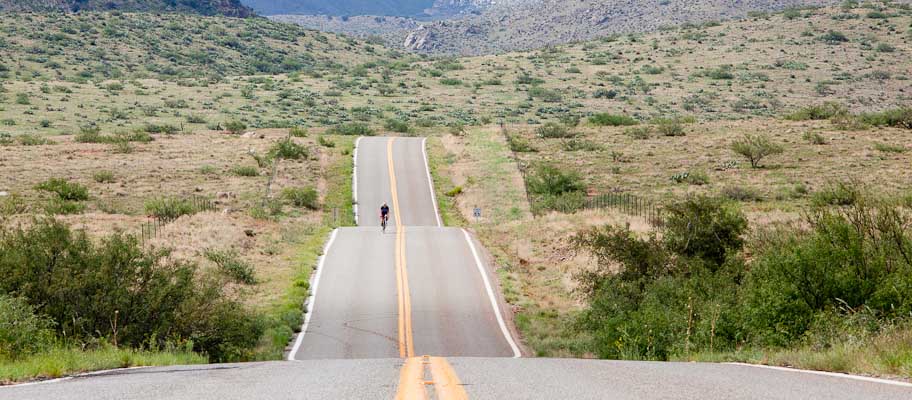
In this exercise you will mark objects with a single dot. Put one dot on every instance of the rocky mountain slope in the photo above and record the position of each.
(473, 27)
(231, 8)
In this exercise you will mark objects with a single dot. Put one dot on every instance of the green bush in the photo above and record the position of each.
(814, 138)
(65, 190)
(553, 130)
(756, 147)
(323, 141)
(639, 133)
(22, 331)
(170, 208)
(890, 148)
(302, 197)
(288, 149)
(351, 129)
(235, 127)
(113, 289)
(246, 170)
(231, 265)
(397, 125)
(823, 111)
(837, 194)
(103, 176)
(298, 131)
(834, 37)
(166, 129)
(548, 180)
(896, 118)
(605, 119)
(28, 139)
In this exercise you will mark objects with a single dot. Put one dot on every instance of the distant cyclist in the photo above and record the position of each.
(384, 215)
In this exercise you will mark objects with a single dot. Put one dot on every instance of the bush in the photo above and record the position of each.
(161, 128)
(838, 194)
(755, 148)
(302, 197)
(246, 170)
(519, 144)
(694, 178)
(741, 193)
(552, 130)
(103, 176)
(671, 128)
(235, 127)
(605, 119)
(834, 37)
(639, 133)
(351, 129)
(27, 139)
(896, 118)
(287, 149)
(655, 296)
(548, 180)
(849, 258)
(323, 141)
(298, 131)
(231, 265)
(65, 190)
(823, 111)
(890, 148)
(397, 125)
(814, 138)
(87, 285)
(170, 208)
(22, 332)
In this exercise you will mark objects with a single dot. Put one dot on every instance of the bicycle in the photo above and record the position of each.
(383, 221)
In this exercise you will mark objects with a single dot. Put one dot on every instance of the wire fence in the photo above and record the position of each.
(151, 229)
(625, 203)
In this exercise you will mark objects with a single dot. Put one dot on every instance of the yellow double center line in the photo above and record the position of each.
(412, 380)
(406, 344)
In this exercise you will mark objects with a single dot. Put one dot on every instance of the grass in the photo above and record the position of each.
(61, 362)
(443, 185)
(338, 183)
(887, 354)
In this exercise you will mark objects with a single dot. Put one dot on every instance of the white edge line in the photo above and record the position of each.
(313, 296)
(825, 373)
(355, 180)
(427, 168)
(487, 283)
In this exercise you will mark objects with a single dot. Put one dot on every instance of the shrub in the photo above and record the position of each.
(235, 127)
(890, 148)
(27, 139)
(298, 131)
(231, 265)
(86, 285)
(450, 82)
(671, 128)
(170, 208)
(834, 37)
(287, 149)
(706, 228)
(755, 148)
(22, 332)
(552, 130)
(741, 193)
(166, 129)
(697, 178)
(519, 144)
(546, 95)
(397, 125)
(323, 141)
(823, 111)
(581, 145)
(721, 73)
(351, 129)
(65, 190)
(838, 194)
(814, 138)
(456, 191)
(639, 133)
(89, 134)
(843, 260)
(245, 170)
(548, 180)
(196, 119)
(302, 197)
(103, 176)
(896, 118)
(605, 119)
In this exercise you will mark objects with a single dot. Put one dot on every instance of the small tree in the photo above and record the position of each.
(756, 148)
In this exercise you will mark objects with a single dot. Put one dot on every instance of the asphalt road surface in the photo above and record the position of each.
(415, 313)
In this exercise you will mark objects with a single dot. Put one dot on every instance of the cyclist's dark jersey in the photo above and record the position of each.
(384, 210)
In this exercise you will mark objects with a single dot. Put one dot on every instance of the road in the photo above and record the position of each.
(415, 313)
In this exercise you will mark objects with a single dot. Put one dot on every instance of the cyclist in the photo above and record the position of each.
(384, 215)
